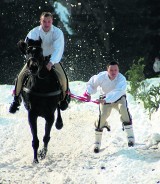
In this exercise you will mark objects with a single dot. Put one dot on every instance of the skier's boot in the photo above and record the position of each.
(98, 138)
(127, 127)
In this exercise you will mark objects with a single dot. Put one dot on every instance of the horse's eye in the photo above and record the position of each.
(29, 50)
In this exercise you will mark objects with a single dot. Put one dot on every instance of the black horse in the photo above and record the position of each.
(41, 94)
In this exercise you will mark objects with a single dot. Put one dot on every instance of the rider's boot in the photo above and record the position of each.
(98, 138)
(15, 104)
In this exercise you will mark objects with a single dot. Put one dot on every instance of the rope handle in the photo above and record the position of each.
(81, 98)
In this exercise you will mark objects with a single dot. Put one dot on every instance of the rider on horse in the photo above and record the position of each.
(53, 48)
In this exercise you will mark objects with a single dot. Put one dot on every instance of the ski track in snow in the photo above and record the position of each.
(70, 158)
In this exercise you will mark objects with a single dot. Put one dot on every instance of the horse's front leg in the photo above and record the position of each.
(46, 138)
(32, 118)
(59, 122)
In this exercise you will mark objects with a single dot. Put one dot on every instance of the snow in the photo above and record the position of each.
(64, 16)
(70, 158)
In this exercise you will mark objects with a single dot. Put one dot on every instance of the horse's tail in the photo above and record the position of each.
(59, 121)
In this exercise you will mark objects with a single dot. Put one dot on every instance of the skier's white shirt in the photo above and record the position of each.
(111, 89)
(52, 42)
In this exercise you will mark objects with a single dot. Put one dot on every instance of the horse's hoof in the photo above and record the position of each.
(59, 125)
(42, 153)
(35, 161)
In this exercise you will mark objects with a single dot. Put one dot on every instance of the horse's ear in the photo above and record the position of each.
(22, 46)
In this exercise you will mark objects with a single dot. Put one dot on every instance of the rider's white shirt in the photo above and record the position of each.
(52, 42)
(112, 89)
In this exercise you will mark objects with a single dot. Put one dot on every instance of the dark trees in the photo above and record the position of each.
(103, 30)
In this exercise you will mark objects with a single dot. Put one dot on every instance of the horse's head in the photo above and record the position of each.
(34, 54)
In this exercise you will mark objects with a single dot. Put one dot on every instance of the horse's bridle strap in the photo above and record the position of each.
(42, 94)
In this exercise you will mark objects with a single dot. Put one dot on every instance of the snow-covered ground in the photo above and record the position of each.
(70, 158)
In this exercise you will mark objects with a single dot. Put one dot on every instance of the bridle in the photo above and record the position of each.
(34, 61)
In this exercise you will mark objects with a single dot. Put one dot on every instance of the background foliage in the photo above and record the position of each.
(140, 89)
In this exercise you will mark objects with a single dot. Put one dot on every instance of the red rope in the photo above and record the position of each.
(81, 98)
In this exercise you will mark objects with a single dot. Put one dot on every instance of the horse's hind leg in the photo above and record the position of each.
(46, 138)
(35, 142)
